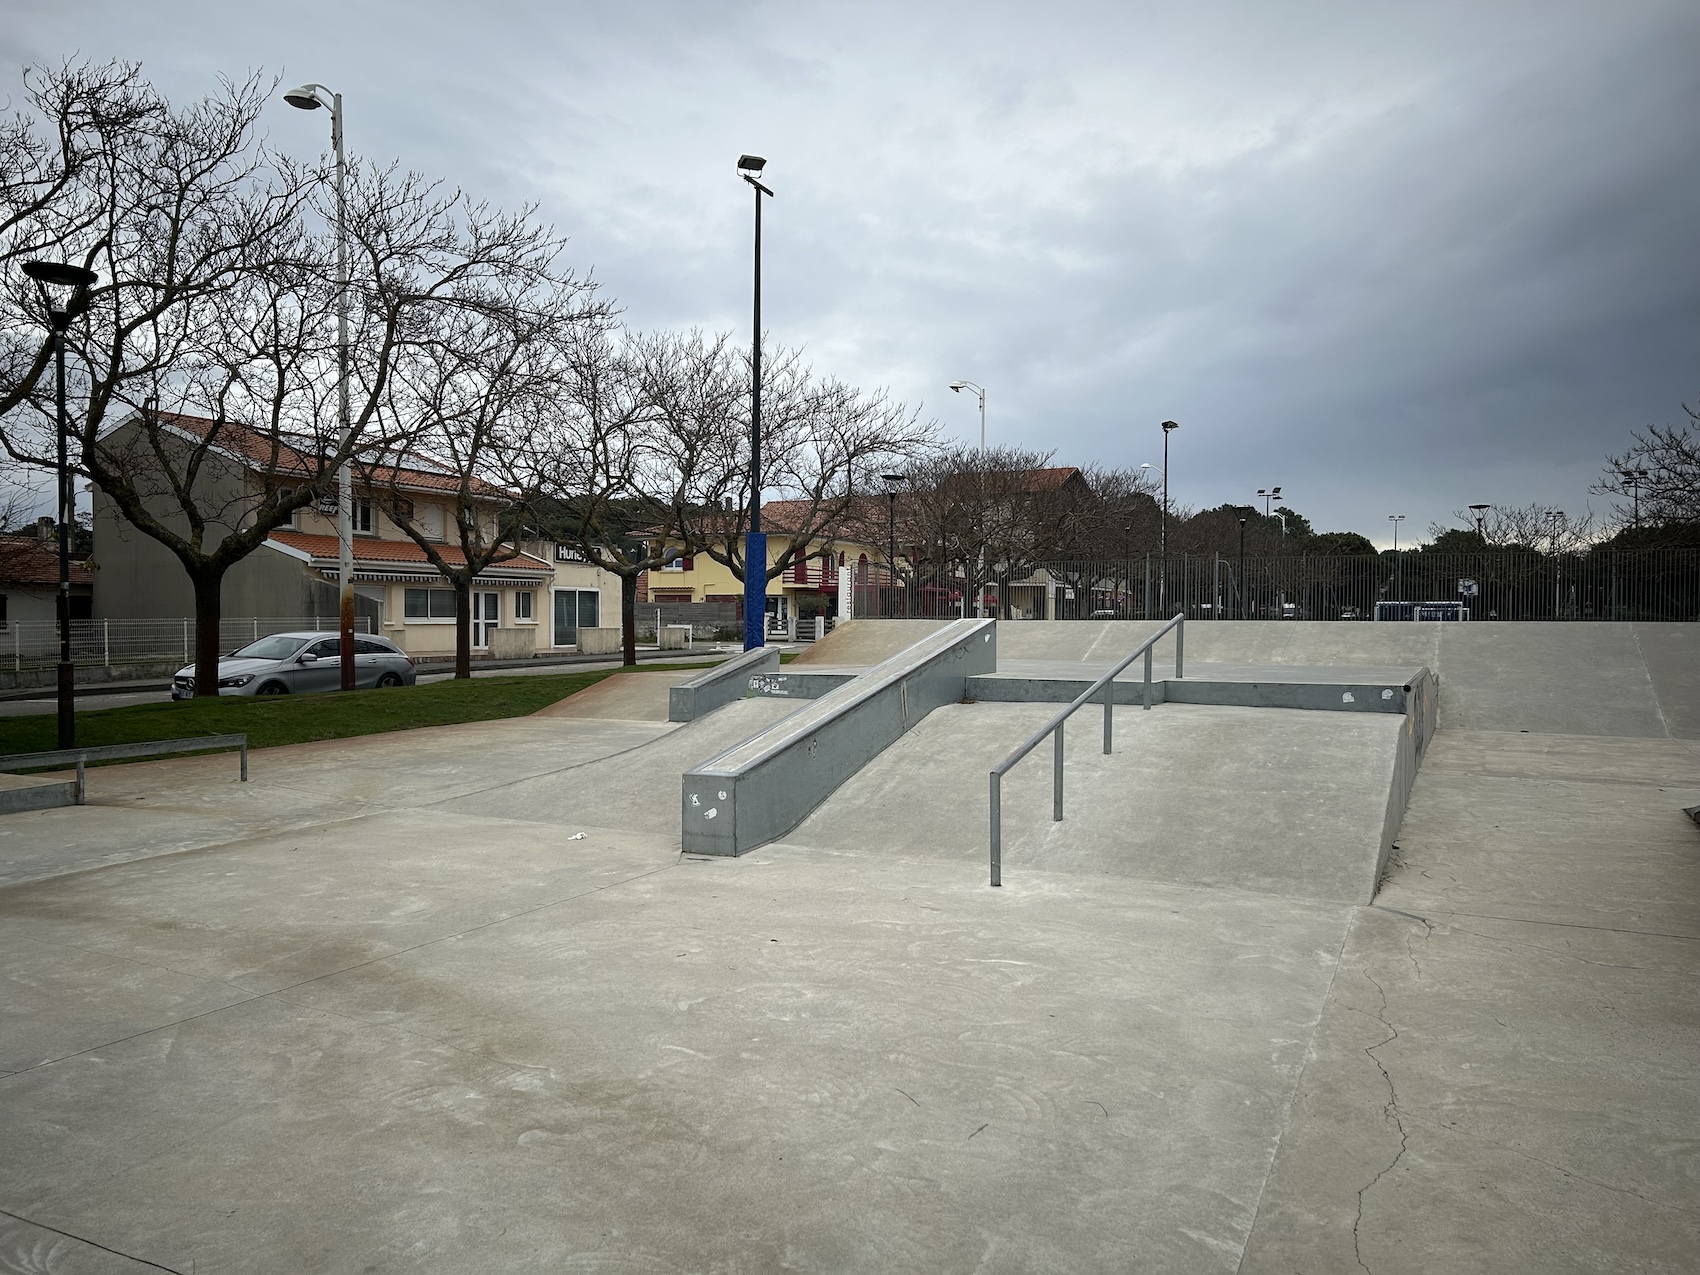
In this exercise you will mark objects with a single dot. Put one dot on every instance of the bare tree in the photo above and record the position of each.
(981, 513)
(1534, 527)
(1660, 473)
(825, 445)
(637, 445)
(473, 397)
(76, 116)
(206, 364)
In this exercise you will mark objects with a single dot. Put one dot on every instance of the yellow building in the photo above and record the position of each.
(807, 588)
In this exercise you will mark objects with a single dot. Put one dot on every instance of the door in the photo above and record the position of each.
(322, 673)
(566, 617)
(486, 613)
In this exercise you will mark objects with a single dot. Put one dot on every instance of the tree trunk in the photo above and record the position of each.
(209, 589)
(463, 626)
(628, 619)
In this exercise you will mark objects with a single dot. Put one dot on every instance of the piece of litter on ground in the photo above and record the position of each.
(577, 836)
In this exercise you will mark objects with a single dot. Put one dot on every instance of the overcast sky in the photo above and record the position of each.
(1397, 258)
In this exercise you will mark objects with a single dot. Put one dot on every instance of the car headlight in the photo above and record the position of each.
(235, 681)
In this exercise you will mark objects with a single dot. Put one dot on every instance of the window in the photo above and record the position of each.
(522, 605)
(430, 521)
(326, 649)
(363, 515)
(428, 604)
(575, 609)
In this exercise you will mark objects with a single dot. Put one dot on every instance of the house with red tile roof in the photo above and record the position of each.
(534, 601)
(29, 579)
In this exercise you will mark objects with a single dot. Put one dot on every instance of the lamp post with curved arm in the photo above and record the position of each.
(755, 541)
(958, 387)
(310, 97)
(64, 292)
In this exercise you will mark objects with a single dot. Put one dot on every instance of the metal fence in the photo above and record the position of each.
(1512, 585)
(33, 644)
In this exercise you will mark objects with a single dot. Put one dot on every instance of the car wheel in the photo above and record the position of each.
(389, 679)
(273, 688)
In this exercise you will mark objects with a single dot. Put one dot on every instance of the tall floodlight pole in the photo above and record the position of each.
(1270, 496)
(980, 557)
(1169, 427)
(309, 97)
(64, 292)
(755, 541)
(1243, 512)
(1633, 478)
(1396, 519)
(980, 390)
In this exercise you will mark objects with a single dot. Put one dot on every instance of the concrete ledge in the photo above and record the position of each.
(765, 786)
(31, 792)
(719, 685)
(801, 684)
(1422, 713)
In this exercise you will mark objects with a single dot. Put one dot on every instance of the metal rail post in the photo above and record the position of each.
(1109, 709)
(1180, 646)
(997, 828)
(1147, 677)
(1057, 777)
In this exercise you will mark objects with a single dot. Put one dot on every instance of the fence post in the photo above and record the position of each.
(1057, 776)
(185, 639)
(106, 642)
(1147, 587)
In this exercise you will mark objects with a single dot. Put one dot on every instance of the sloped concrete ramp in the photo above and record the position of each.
(1280, 801)
(637, 789)
(864, 643)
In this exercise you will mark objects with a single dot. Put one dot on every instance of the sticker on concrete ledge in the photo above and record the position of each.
(1387, 695)
(711, 812)
(1347, 698)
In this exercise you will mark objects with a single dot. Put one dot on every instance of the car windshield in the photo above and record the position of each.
(269, 648)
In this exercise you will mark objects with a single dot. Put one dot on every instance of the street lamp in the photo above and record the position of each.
(959, 386)
(1481, 517)
(64, 292)
(1395, 519)
(1633, 478)
(893, 484)
(755, 542)
(310, 97)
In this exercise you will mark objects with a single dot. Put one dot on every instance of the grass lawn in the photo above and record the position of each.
(294, 719)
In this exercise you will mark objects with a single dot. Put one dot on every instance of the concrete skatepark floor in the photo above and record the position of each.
(452, 1000)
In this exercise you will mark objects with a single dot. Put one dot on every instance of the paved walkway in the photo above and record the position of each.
(452, 1000)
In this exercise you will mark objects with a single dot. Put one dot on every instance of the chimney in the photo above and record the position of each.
(46, 528)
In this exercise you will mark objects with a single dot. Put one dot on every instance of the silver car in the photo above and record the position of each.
(294, 663)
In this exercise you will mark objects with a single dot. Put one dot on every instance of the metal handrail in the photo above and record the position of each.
(1054, 727)
(123, 752)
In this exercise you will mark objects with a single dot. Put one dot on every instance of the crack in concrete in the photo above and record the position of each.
(54, 1230)
(1390, 1111)
(1556, 1168)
